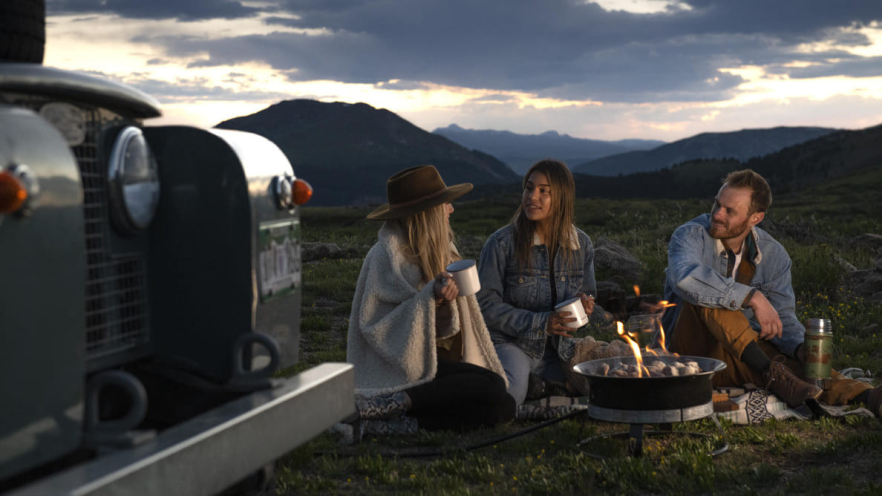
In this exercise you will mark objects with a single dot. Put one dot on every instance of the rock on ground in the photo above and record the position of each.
(613, 258)
(869, 240)
(318, 251)
(867, 283)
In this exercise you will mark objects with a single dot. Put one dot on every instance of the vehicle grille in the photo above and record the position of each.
(116, 313)
(117, 328)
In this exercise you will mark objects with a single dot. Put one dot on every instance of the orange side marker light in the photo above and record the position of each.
(12, 193)
(302, 192)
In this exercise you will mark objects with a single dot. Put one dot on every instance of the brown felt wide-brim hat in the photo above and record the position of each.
(416, 189)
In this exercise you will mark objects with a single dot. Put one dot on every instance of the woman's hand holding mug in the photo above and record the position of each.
(557, 324)
(568, 316)
(445, 288)
(587, 303)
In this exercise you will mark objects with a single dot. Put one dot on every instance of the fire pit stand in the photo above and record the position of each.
(639, 420)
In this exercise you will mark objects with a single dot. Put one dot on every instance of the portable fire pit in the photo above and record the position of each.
(652, 397)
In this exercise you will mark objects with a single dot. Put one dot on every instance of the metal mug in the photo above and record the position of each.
(576, 309)
(465, 275)
(818, 352)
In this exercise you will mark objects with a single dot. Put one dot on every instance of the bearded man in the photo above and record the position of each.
(735, 302)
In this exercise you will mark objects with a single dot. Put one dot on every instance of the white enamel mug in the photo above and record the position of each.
(465, 275)
(574, 306)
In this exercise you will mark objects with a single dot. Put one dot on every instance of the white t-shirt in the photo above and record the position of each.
(738, 257)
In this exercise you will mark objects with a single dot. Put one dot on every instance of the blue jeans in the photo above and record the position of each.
(518, 366)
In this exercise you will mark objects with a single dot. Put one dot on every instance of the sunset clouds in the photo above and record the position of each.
(660, 69)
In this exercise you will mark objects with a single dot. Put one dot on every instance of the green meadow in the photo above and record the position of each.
(822, 456)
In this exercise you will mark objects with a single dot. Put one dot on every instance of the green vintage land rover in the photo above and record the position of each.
(149, 289)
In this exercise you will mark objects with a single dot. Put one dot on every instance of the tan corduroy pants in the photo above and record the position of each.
(723, 334)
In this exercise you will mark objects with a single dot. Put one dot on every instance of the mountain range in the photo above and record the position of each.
(843, 160)
(520, 151)
(347, 151)
(738, 145)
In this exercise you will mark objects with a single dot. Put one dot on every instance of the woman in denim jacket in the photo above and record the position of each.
(521, 282)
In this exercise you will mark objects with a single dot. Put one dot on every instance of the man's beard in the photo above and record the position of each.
(721, 232)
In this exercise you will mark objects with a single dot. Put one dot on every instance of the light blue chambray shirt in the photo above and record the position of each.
(696, 273)
(516, 302)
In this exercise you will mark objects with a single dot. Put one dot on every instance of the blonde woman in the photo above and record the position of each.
(421, 352)
(529, 266)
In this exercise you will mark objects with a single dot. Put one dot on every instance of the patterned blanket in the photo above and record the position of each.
(758, 405)
(754, 406)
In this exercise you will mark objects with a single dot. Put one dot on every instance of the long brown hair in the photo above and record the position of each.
(429, 240)
(560, 232)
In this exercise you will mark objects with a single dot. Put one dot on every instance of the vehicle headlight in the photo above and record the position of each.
(134, 181)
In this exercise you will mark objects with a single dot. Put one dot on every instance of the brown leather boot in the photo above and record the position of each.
(783, 383)
(874, 401)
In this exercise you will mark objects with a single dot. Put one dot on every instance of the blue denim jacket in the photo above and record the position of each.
(516, 302)
(696, 273)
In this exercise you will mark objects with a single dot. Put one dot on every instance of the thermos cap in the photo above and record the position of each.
(819, 325)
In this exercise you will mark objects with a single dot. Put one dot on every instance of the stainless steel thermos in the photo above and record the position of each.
(818, 352)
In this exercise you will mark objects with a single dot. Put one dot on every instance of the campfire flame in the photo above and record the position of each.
(661, 338)
(633, 337)
(620, 328)
(661, 330)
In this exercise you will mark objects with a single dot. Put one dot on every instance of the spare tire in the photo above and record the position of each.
(22, 30)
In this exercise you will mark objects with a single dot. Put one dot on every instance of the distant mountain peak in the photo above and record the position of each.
(520, 151)
(327, 142)
(452, 127)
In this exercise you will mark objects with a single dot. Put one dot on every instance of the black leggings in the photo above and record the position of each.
(461, 397)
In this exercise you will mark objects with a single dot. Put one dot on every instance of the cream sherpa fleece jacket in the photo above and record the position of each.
(391, 338)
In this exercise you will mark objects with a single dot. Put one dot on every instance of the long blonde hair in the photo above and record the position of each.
(560, 232)
(429, 240)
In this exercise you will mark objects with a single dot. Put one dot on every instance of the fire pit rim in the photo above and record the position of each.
(709, 366)
(650, 393)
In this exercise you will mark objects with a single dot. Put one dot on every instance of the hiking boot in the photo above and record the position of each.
(535, 387)
(783, 383)
(538, 388)
(874, 401)
(382, 406)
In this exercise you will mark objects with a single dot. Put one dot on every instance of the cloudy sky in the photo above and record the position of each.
(604, 69)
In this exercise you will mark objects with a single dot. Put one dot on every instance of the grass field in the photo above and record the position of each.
(823, 456)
